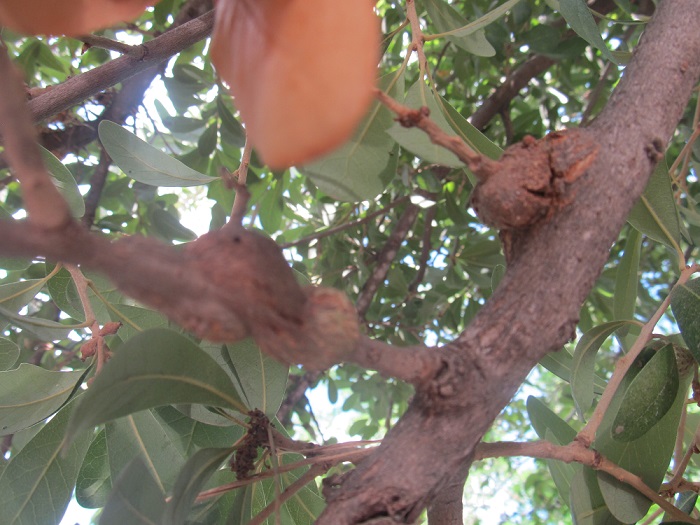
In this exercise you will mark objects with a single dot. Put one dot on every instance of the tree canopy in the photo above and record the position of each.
(481, 252)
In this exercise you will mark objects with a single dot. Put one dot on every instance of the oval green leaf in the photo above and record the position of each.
(94, 481)
(626, 279)
(13, 296)
(36, 486)
(649, 396)
(30, 394)
(647, 456)
(263, 379)
(9, 353)
(157, 367)
(583, 365)
(65, 182)
(42, 328)
(579, 17)
(357, 170)
(146, 432)
(192, 478)
(136, 498)
(144, 163)
(685, 305)
(656, 213)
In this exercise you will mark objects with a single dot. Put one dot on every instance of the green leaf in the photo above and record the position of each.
(685, 305)
(64, 293)
(30, 394)
(167, 226)
(649, 396)
(157, 367)
(207, 141)
(656, 214)
(685, 502)
(415, 140)
(485, 20)
(135, 319)
(562, 473)
(626, 280)
(136, 498)
(263, 380)
(551, 427)
(14, 296)
(469, 36)
(9, 353)
(271, 207)
(648, 456)
(231, 130)
(65, 182)
(193, 434)
(37, 484)
(145, 434)
(578, 16)
(356, 171)
(498, 272)
(586, 501)
(582, 372)
(301, 509)
(192, 478)
(42, 328)
(560, 363)
(94, 481)
(543, 420)
(144, 163)
(468, 133)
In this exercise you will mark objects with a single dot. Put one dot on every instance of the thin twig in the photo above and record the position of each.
(481, 166)
(417, 39)
(386, 258)
(347, 225)
(425, 250)
(240, 202)
(97, 184)
(574, 452)
(82, 284)
(106, 43)
(275, 470)
(328, 461)
(291, 490)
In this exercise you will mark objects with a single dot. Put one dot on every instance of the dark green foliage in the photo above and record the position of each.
(165, 413)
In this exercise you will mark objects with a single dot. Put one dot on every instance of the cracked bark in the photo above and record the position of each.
(535, 309)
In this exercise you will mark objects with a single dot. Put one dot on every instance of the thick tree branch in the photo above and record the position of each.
(43, 202)
(535, 308)
(76, 89)
(508, 90)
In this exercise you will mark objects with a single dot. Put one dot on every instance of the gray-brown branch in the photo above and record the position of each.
(76, 89)
(535, 308)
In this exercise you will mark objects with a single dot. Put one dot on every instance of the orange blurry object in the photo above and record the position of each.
(67, 17)
(301, 71)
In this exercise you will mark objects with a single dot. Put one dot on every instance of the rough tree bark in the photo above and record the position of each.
(535, 308)
(462, 387)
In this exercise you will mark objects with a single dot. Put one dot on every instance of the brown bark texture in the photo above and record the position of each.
(460, 388)
(535, 309)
